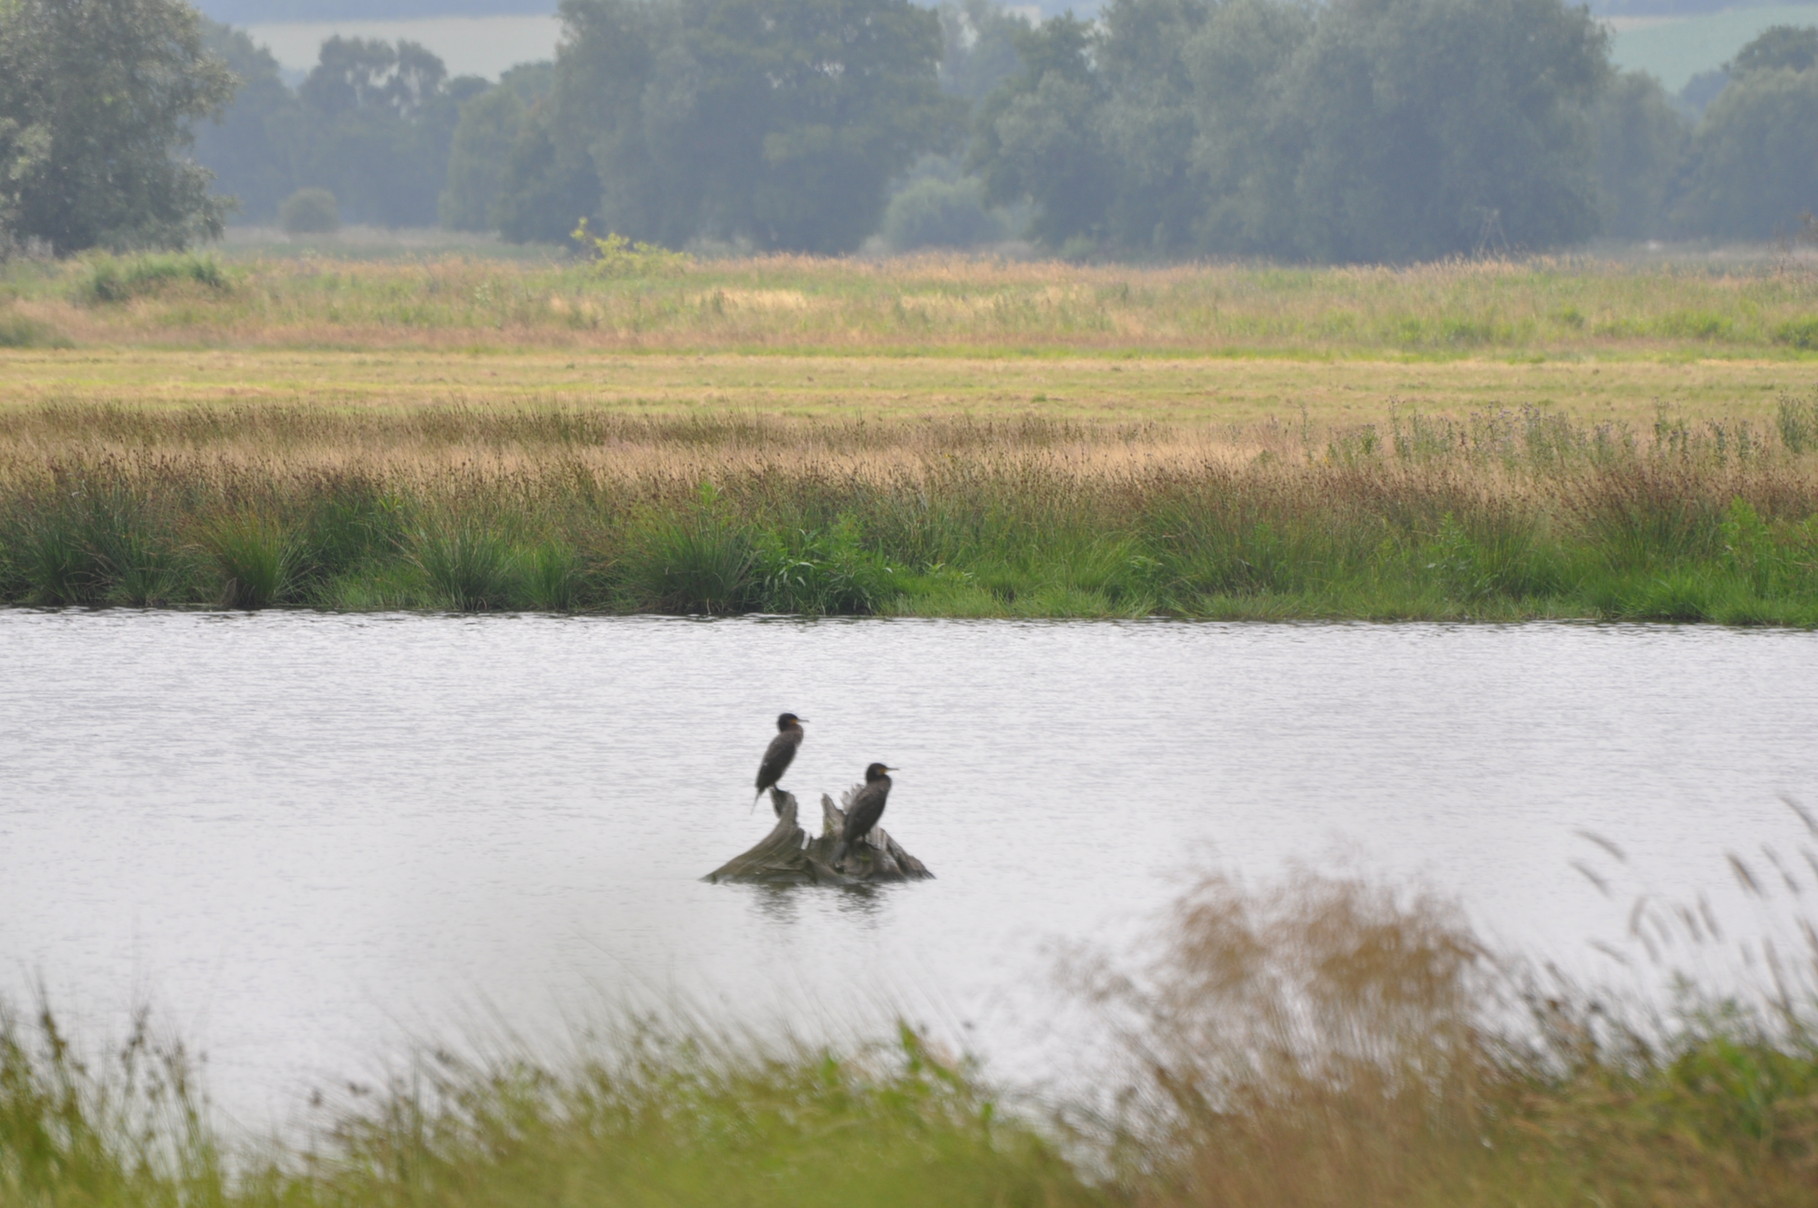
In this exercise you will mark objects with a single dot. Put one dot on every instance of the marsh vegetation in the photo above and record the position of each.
(913, 437)
(1320, 1042)
(1502, 515)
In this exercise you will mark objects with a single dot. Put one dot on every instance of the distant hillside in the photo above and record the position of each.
(265, 12)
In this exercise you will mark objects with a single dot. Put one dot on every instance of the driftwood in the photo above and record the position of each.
(787, 856)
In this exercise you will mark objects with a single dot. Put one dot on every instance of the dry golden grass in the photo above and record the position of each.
(544, 450)
(1328, 1043)
(908, 339)
(1216, 391)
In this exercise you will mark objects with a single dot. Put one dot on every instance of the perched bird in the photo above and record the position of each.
(866, 807)
(779, 754)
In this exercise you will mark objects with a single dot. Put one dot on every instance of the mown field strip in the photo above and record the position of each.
(886, 387)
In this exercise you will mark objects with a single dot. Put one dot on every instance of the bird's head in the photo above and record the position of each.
(789, 721)
(876, 772)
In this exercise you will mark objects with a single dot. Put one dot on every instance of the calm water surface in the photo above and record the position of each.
(305, 838)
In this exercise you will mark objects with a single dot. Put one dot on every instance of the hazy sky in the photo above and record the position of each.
(1673, 50)
(469, 45)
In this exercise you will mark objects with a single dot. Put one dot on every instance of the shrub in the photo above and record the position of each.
(310, 212)
(939, 213)
(1695, 325)
(112, 279)
(1801, 333)
(613, 255)
(18, 331)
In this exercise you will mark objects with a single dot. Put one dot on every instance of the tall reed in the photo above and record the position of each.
(1492, 515)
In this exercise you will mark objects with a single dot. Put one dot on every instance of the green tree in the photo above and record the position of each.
(1434, 127)
(1040, 136)
(1246, 148)
(937, 206)
(97, 98)
(379, 121)
(978, 47)
(1368, 130)
(780, 122)
(1701, 90)
(1641, 142)
(490, 125)
(251, 147)
(1779, 47)
(1151, 119)
(1754, 160)
(549, 185)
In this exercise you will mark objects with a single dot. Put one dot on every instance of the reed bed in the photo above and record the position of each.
(1531, 307)
(1315, 1043)
(1497, 515)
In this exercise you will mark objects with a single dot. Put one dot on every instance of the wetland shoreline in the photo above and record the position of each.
(929, 437)
(1501, 516)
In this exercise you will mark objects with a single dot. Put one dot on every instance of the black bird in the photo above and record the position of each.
(779, 754)
(866, 808)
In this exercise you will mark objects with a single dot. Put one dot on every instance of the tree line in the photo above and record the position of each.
(1365, 130)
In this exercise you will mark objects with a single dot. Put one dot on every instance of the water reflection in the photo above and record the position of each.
(864, 903)
(778, 904)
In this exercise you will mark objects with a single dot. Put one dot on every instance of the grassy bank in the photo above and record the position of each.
(1323, 1043)
(1533, 308)
(1497, 515)
(932, 437)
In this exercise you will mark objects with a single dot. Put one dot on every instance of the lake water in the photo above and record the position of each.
(305, 838)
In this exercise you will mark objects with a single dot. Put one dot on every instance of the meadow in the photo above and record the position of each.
(931, 437)
(1317, 1042)
(1532, 309)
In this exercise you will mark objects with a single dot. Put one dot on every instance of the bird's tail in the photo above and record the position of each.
(839, 852)
(754, 801)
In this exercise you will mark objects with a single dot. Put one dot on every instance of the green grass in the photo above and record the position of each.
(111, 279)
(1313, 1043)
(254, 558)
(1559, 307)
(1496, 516)
(467, 567)
(20, 331)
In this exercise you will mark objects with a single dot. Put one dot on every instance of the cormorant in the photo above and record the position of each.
(866, 808)
(779, 754)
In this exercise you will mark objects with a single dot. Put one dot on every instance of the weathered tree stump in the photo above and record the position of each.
(787, 856)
